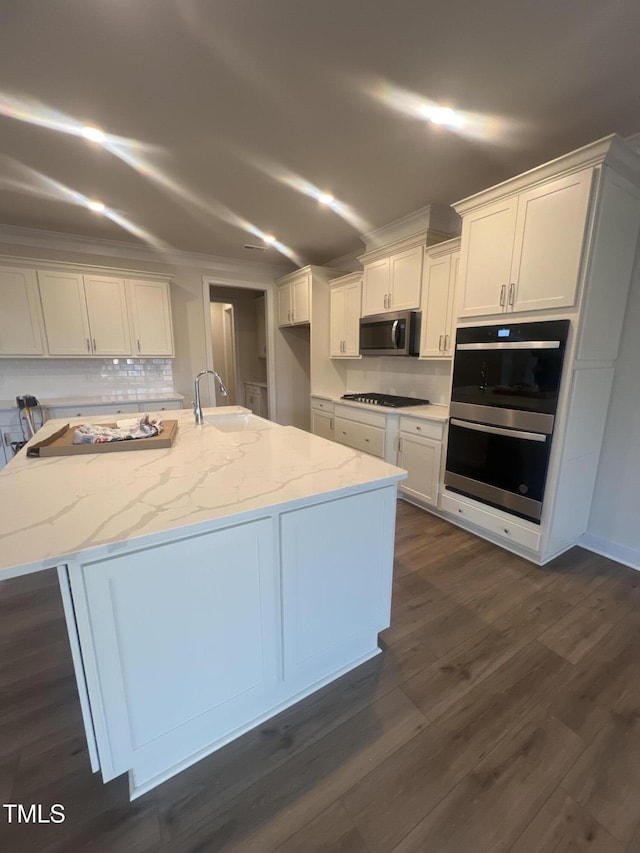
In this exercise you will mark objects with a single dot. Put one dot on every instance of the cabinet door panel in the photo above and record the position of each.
(151, 316)
(421, 458)
(435, 301)
(487, 241)
(352, 319)
(65, 313)
(450, 328)
(284, 305)
(406, 275)
(301, 303)
(322, 424)
(181, 654)
(20, 329)
(108, 321)
(376, 285)
(337, 331)
(549, 241)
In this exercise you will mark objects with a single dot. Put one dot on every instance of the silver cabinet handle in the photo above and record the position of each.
(440, 343)
(95, 348)
(88, 345)
(138, 344)
(330, 423)
(512, 293)
(503, 294)
(446, 342)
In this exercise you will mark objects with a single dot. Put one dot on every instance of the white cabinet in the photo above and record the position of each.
(439, 282)
(344, 328)
(150, 307)
(294, 300)
(20, 317)
(255, 398)
(322, 418)
(391, 279)
(84, 315)
(196, 647)
(420, 454)
(524, 252)
(362, 431)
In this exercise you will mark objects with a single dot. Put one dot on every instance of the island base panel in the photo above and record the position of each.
(189, 644)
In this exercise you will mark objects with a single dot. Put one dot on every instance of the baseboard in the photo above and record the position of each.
(627, 556)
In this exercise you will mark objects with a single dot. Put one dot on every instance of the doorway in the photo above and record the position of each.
(223, 342)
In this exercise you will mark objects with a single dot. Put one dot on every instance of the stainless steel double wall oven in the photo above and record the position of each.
(506, 384)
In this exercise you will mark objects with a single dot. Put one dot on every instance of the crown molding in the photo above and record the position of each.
(35, 238)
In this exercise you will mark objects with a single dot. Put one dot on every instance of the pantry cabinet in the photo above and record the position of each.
(294, 299)
(524, 252)
(150, 309)
(344, 329)
(439, 283)
(392, 277)
(20, 316)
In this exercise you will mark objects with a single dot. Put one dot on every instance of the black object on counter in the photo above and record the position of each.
(388, 400)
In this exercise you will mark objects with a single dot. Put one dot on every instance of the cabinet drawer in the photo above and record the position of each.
(370, 439)
(427, 429)
(322, 405)
(157, 406)
(360, 414)
(91, 411)
(497, 524)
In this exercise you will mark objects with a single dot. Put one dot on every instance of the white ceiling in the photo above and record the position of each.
(224, 96)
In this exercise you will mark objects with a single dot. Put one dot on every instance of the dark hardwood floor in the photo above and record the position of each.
(503, 715)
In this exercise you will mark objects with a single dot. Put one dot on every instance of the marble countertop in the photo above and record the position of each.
(433, 412)
(100, 400)
(56, 508)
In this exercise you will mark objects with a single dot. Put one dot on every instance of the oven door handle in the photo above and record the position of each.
(511, 345)
(510, 433)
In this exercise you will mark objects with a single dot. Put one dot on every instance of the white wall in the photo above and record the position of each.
(406, 377)
(614, 525)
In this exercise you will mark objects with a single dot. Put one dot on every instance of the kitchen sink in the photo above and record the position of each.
(238, 422)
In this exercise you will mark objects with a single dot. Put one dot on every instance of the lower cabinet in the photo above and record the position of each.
(255, 397)
(360, 436)
(420, 454)
(322, 424)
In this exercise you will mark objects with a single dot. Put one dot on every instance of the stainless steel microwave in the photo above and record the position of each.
(396, 333)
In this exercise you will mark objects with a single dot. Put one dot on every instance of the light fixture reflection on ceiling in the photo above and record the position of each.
(96, 206)
(326, 198)
(269, 238)
(444, 115)
(93, 134)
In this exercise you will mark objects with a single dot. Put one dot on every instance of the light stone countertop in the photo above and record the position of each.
(100, 400)
(56, 508)
(432, 412)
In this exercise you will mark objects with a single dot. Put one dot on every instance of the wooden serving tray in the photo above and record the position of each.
(61, 442)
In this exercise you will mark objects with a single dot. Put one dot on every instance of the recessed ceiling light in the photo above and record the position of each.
(269, 238)
(444, 115)
(94, 134)
(96, 206)
(325, 198)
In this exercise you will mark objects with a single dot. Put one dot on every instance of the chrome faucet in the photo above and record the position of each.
(197, 408)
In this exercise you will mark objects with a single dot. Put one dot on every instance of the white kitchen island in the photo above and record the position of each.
(206, 586)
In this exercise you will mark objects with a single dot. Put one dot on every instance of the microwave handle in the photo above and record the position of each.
(394, 333)
(511, 433)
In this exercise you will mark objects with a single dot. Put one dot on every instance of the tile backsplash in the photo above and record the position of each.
(84, 377)
(430, 380)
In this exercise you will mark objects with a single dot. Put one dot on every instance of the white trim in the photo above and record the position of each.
(20, 236)
(620, 553)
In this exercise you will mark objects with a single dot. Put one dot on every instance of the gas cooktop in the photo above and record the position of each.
(388, 400)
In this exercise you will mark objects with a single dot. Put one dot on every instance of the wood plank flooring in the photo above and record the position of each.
(502, 717)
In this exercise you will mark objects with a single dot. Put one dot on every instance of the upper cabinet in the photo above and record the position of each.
(151, 326)
(439, 280)
(392, 277)
(344, 328)
(294, 299)
(84, 315)
(523, 252)
(64, 312)
(20, 318)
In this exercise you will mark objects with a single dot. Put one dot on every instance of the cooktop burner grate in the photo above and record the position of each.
(389, 400)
